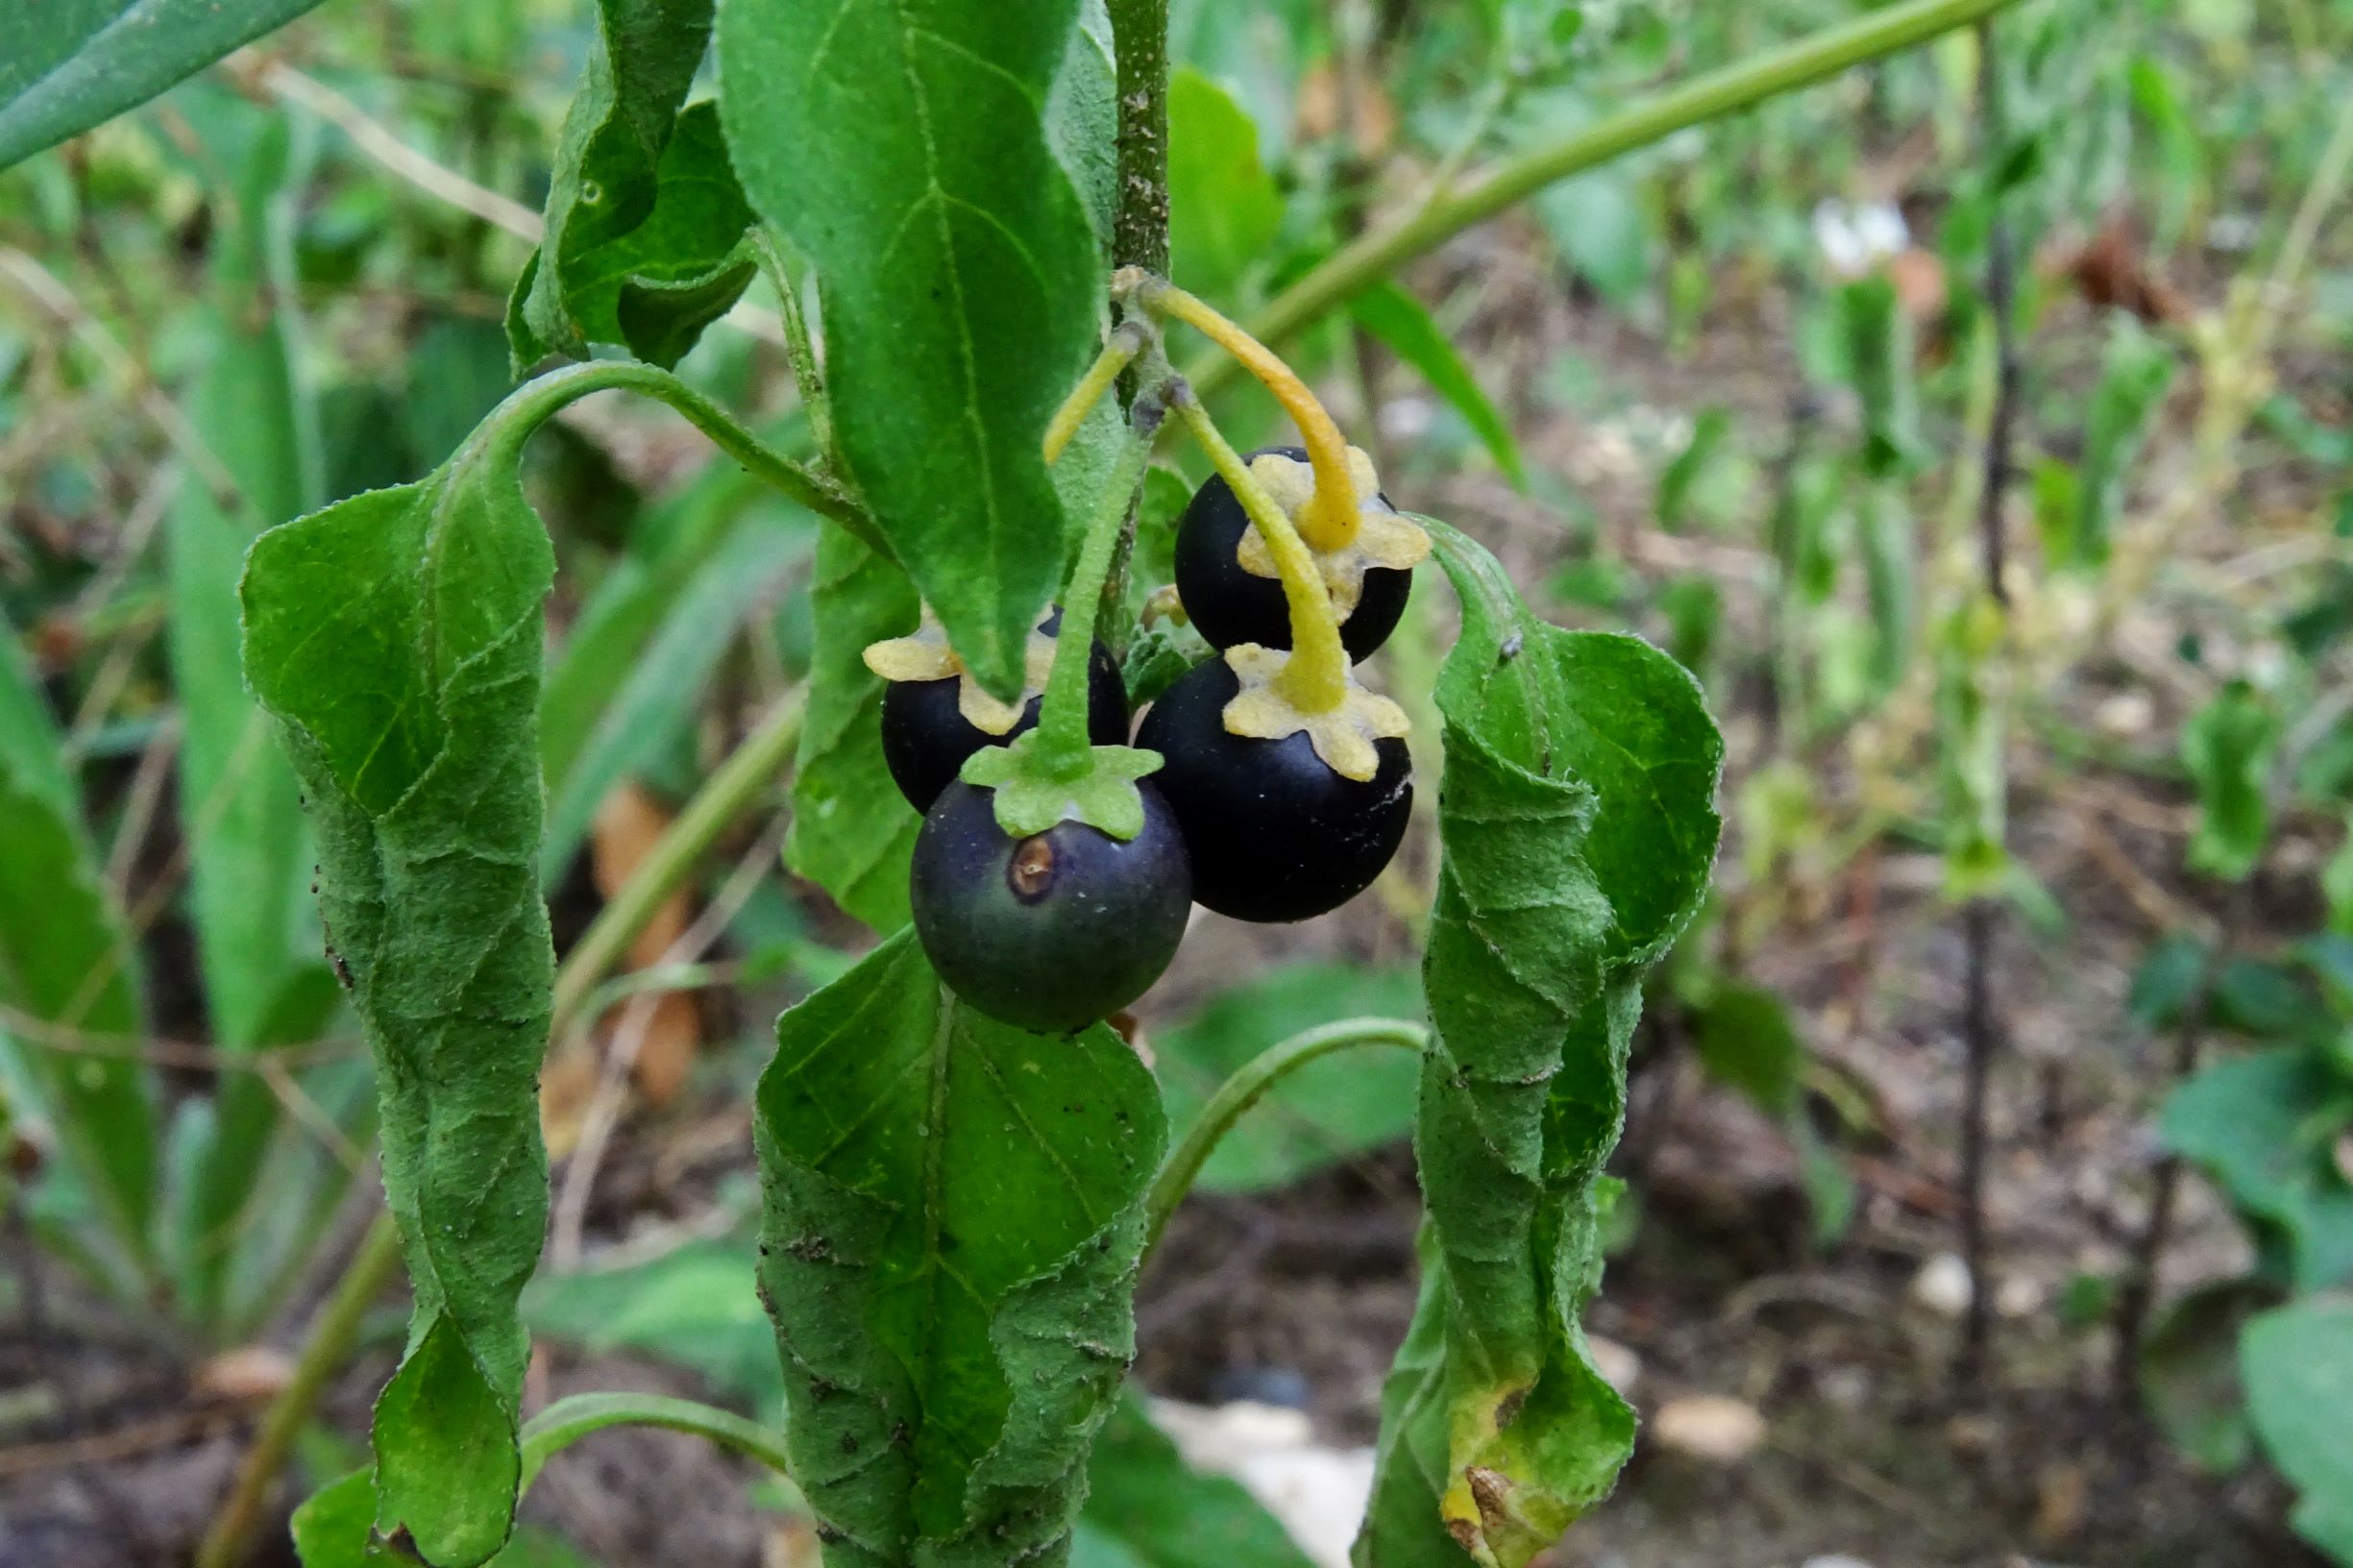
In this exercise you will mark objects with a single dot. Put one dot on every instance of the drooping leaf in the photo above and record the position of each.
(902, 146)
(66, 961)
(2228, 746)
(1322, 1113)
(638, 190)
(953, 1222)
(1146, 1507)
(1223, 207)
(1397, 318)
(67, 68)
(1579, 828)
(396, 638)
(852, 832)
(2134, 375)
(2264, 1127)
(2298, 1365)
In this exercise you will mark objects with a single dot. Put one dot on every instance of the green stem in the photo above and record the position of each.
(1244, 1090)
(332, 1335)
(808, 379)
(570, 1419)
(751, 767)
(1062, 741)
(1357, 268)
(1139, 229)
(533, 402)
(747, 770)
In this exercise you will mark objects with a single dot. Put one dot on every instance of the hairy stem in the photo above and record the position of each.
(799, 347)
(1127, 341)
(1244, 1090)
(1139, 229)
(1743, 84)
(1062, 741)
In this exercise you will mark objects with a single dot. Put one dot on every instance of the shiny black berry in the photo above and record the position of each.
(925, 740)
(1053, 931)
(1274, 833)
(1230, 605)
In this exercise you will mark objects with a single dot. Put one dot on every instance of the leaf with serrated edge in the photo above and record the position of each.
(902, 146)
(954, 1214)
(395, 637)
(852, 832)
(1579, 827)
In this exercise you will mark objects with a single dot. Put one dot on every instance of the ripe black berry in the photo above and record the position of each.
(1054, 931)
(1231, 605)
(925, 740)
(1274, 833)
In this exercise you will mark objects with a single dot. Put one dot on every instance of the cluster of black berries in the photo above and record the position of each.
(1061, 928)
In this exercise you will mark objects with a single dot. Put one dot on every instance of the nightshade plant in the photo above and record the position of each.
(962, 1179)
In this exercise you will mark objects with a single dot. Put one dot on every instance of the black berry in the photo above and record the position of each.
(925, 740)
(1053, 931)
(1274, 833)
(1230, 605)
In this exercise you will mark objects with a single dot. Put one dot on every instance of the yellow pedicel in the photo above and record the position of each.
(1342, 737)
(926, 656)
(1382, 538)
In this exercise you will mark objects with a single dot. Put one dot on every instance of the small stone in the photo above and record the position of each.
(246, 1376)
(1711, 1427)
(1943, 1285)
(1835, 1559)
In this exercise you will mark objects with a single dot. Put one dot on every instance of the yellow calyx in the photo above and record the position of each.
(1342, 734)
(926, 656)
(1382, 538)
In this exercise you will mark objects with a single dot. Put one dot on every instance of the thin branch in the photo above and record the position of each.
(1139, 229)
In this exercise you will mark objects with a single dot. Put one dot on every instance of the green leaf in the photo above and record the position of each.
(2264, 1127)
(2189, 1371)
(1223, 207)
(1397, 318)
(638, 191)
(1891, 579)
(67, 66)
(954, 1212)
(1876, 345)
(902, 146)
(1145, 1506)
(395, 637)
(1604, 230)
(2298, 1364)
(2228, 747)
(1748, 1043)
(852, 832)
(1579, 828)
(1325, 1112)
(66, 960)
(1082, 118)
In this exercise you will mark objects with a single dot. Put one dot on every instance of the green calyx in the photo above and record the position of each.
(1037, 787)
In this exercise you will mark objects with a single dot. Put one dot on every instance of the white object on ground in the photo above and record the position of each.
(1317, 1493)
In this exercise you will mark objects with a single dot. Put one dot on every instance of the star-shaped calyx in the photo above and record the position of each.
(926, 656)
(1381, 537)
(1342, 736)
(1034, 791)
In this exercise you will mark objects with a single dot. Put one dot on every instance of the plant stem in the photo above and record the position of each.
(1981, 1030)
(1329, 519)
(1244, 1090)
(1127, 341)
(1139, 229)
(1358, 266)
(751, 767)
(747, 770)
(579, 1415)
(799, 347)
(328, 1346)
(1314, 679)
(1062, 741)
